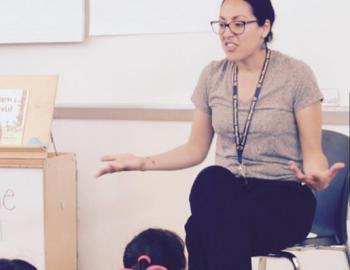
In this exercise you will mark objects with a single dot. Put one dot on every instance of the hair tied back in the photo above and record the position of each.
(144, 257)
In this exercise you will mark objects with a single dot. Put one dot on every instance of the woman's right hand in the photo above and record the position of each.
(120, 162)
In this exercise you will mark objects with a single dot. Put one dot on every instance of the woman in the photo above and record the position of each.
(265, 108)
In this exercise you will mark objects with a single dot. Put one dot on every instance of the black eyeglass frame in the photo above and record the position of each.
(212, 23)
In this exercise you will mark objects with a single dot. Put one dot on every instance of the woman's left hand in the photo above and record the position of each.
(318, 181)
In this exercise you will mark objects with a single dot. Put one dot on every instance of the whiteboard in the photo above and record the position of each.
(37, 21)
(22, 215)
(120, 17)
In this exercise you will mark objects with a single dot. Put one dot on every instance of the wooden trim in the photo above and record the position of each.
(21, 163)
(159, 114)
(336, 118)
(22, 152)
(119, 113)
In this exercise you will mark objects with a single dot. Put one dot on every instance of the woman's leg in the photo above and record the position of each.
(232, 221)
(217, 233)
(194, 245)
(282, 213)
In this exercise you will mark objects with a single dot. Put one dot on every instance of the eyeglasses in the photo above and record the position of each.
(236, 27)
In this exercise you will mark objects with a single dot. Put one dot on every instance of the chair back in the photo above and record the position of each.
(332, 203)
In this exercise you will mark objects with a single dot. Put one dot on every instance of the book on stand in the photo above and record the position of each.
(13, 109)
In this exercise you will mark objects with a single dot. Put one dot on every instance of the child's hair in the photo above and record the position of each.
(6, 264)
(159, 247)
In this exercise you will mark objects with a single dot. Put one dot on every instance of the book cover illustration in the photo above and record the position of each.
(13, 107)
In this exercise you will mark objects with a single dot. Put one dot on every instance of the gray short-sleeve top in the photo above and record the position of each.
(273, 139)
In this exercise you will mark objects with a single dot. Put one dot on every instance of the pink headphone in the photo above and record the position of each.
(148, 259)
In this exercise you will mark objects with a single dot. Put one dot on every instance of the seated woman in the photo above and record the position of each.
(155, 249)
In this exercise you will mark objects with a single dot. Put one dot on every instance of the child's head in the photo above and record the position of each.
(6, 264)
(161, 247)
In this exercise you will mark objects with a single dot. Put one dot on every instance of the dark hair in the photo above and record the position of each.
(262, 10)
(6, 264)
(162, 246)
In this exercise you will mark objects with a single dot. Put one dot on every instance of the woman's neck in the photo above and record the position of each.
(253, 63)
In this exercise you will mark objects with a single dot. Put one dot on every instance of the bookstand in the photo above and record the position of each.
(37, 188)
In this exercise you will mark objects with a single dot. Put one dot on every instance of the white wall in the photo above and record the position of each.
(112, 209)
(151, 69)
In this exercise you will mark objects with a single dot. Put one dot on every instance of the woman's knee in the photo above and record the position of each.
(210, 177)
(210, 183)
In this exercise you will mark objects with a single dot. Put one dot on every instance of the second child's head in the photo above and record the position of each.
(6, 264)
(155, 247)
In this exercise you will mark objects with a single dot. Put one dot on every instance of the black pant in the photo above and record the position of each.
(234, 219)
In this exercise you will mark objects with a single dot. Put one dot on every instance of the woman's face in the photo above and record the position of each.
(238, 47)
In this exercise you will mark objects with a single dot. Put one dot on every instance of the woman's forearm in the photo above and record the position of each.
(184, 156)
(315, 162)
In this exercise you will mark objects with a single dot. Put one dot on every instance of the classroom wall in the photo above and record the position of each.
(160, 70)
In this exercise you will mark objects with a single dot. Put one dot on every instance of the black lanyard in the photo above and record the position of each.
(241, 141)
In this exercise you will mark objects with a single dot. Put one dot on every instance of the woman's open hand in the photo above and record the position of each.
(120, 162)
(317, 180)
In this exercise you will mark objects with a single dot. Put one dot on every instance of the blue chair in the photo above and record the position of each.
(331, 211)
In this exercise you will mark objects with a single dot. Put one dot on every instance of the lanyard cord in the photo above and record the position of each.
(241, 141)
